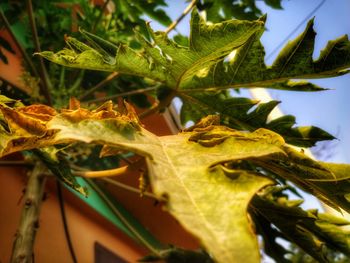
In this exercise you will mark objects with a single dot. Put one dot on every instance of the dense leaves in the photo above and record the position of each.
(214, 179)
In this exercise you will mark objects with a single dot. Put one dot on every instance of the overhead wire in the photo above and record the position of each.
(313, 11)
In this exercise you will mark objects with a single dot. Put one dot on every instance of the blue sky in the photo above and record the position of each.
(328, 110)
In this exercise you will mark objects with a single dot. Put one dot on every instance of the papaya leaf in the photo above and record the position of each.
(23, 123)
(237, 113)
(59, 168)
(312, 231)
(185, 169)
(219, 56)
(269, 235)
(329, 182)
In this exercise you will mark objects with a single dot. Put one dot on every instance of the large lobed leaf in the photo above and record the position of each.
(185, 169)
(189, 170)
(219, 56)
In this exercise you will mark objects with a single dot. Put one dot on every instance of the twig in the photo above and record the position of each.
(99, 85)
(22, 251)
(128, 188)
(46, 83)
(133, 92)
(178, 20)
(21, 49)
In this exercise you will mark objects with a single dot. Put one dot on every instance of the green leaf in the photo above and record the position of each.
(219, 10)
(329, 182)
(133, 10)
(219, 56)
(237, 113)
(60, 168)
(274, 3)
(269, 235)
(305, 136)
(296, 86)
(310, 230)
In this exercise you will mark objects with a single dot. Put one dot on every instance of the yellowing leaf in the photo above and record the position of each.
(185, 169)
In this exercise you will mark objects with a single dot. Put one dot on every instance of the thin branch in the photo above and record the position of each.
(16, 163)
(25, 56)
(158, 106)
(178, 20)
(128, 188)
(120, 215)
(45, 81)
(22, 250)
(133, 92)
(154, 109)
(99, 85)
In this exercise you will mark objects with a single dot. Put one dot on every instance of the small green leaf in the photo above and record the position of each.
(60, 168)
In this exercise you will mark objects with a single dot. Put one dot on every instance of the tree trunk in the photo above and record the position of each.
(22, 250)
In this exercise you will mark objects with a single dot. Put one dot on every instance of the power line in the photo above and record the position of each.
(296, 29)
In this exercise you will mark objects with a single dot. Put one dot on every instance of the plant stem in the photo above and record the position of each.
(99, 85)
(120, 215)
(103, 173)
(158, 106)
(22, 250)
(111, 172)
(45, 80)
(128, 188)
(16, 163)
(78, 80)
(178, 20)
(128, 93)
(19, 46)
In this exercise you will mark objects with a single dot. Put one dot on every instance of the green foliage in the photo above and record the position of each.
(195, 72)
(219, 10)
(224, 178)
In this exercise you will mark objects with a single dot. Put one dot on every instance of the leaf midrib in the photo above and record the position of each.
(204, 219)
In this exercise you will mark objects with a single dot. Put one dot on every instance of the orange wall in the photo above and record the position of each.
(12, 71)
(85, 225)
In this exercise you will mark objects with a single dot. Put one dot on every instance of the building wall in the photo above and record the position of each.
(85, 225)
